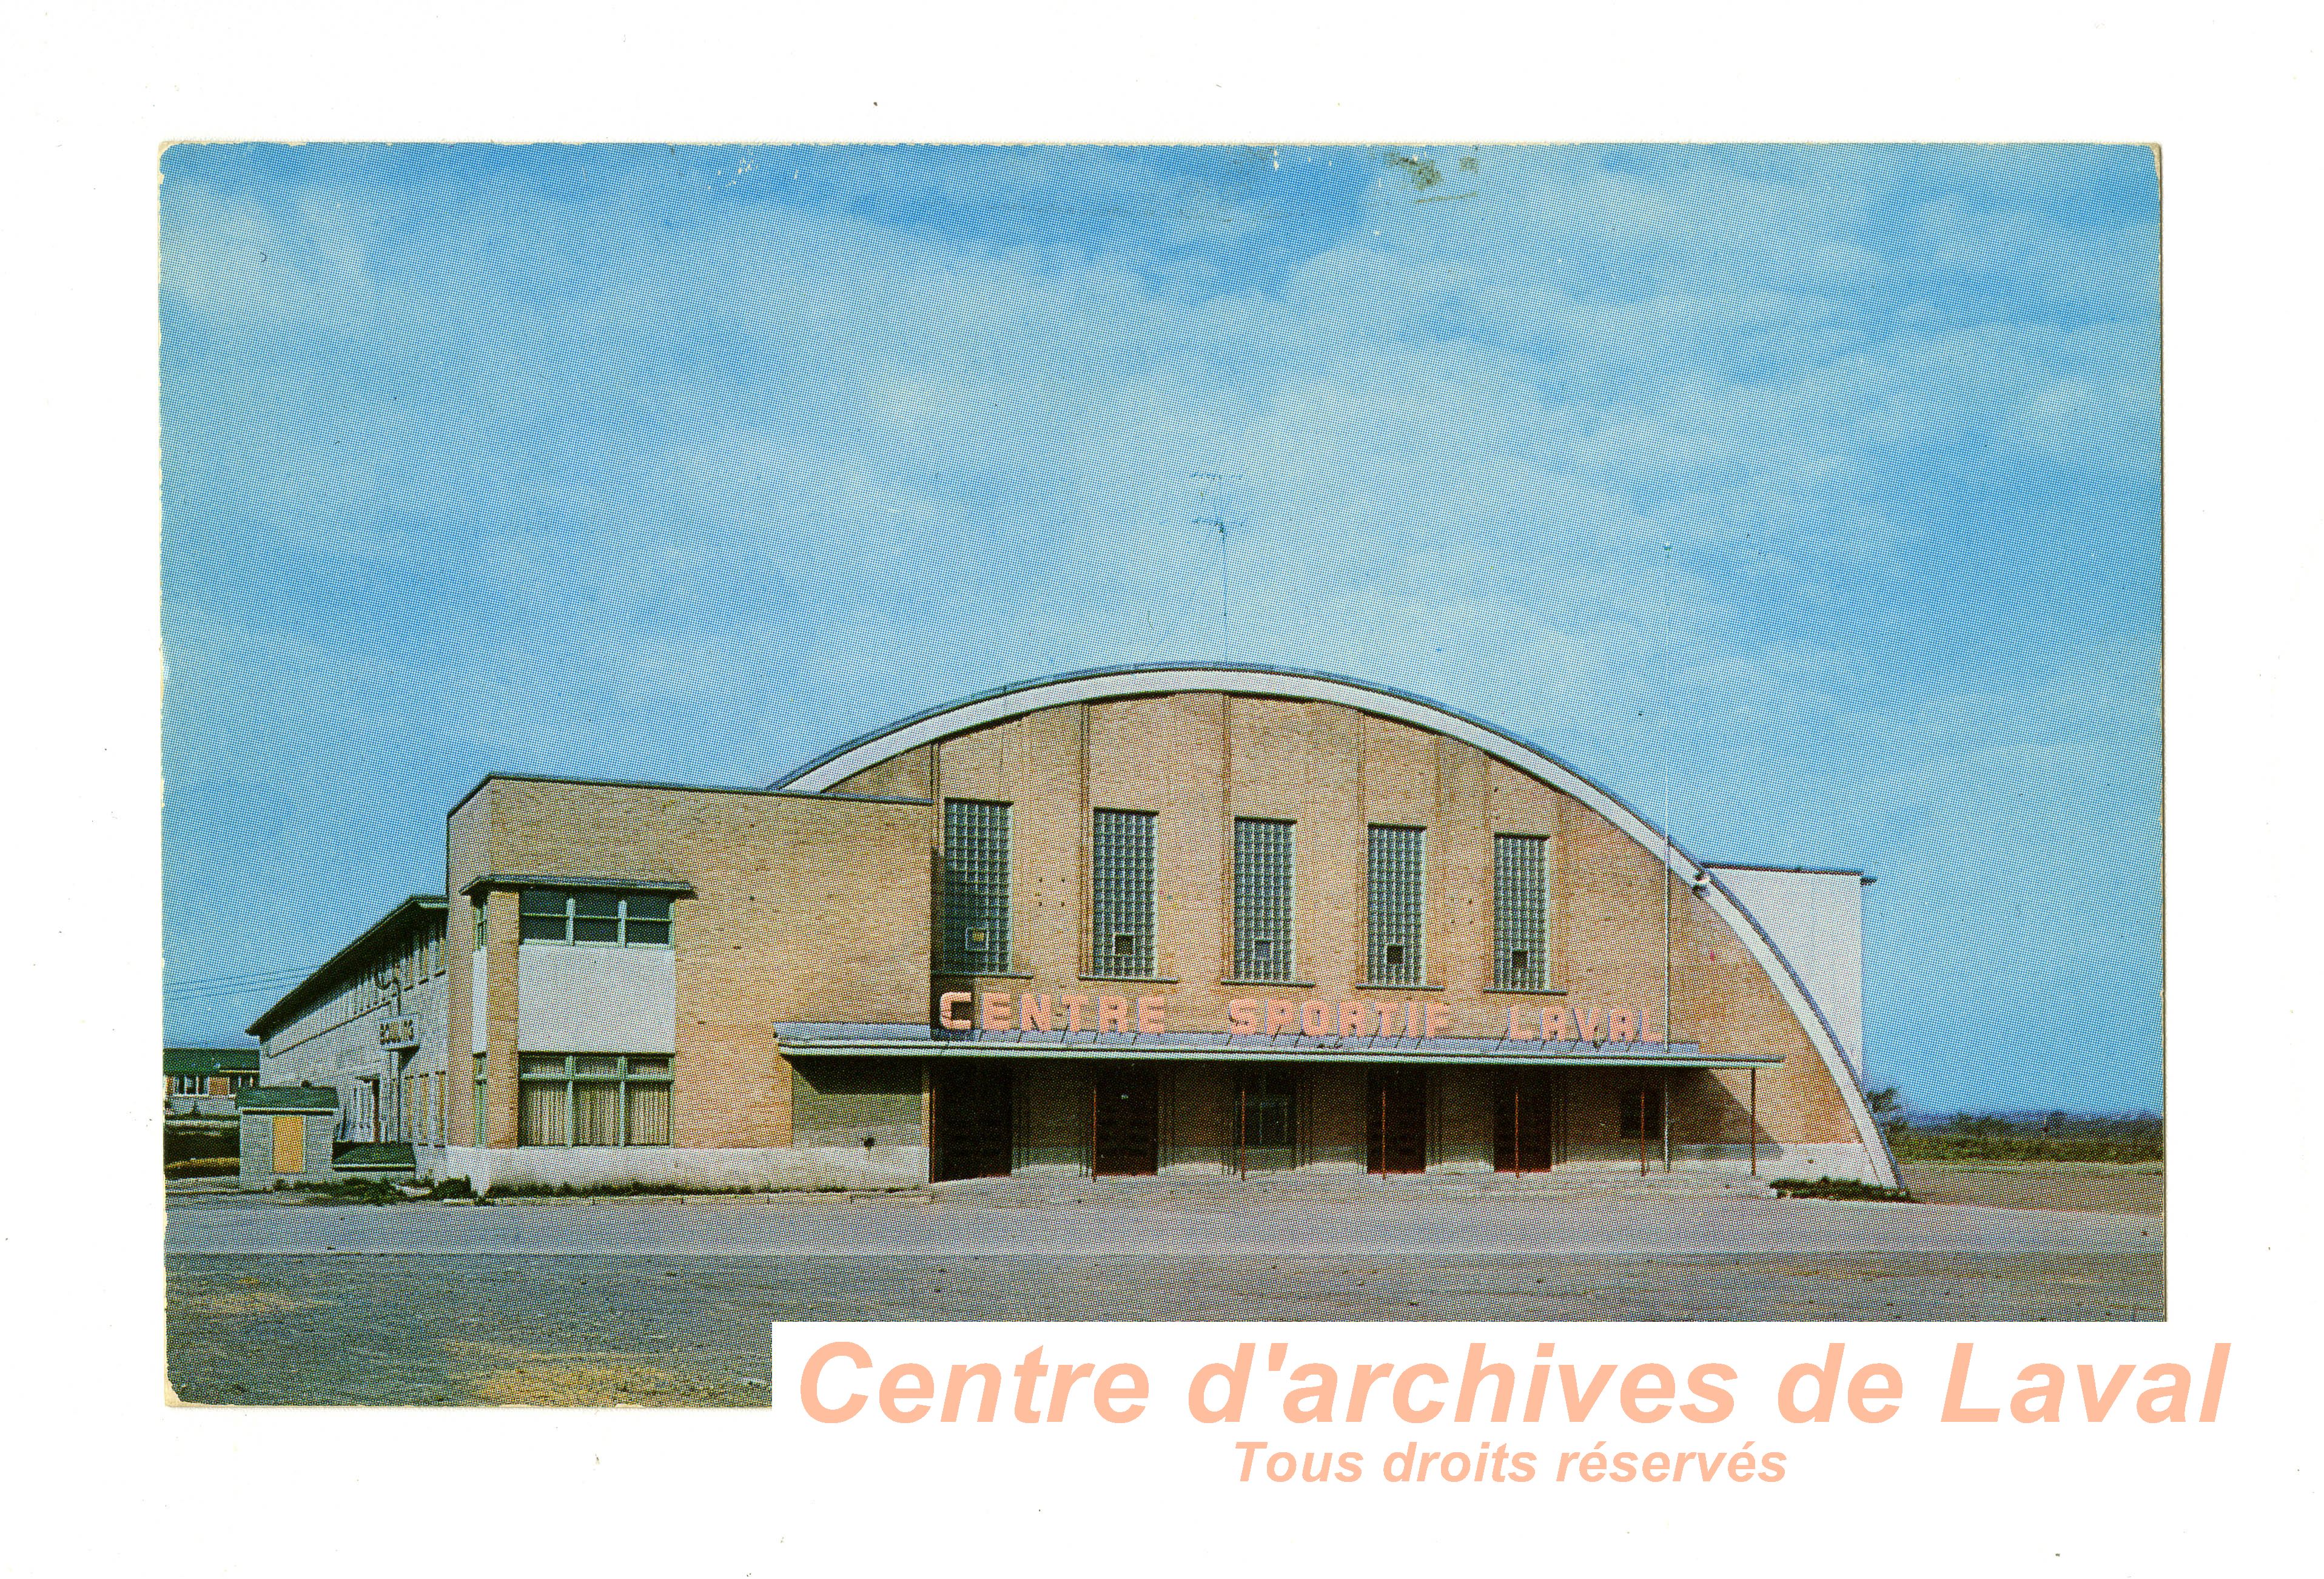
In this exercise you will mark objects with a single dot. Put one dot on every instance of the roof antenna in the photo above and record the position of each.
(1217, 518)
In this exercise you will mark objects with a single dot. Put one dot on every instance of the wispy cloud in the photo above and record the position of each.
(684, 463)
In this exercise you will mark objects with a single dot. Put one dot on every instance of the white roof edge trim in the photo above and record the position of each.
(987, 710)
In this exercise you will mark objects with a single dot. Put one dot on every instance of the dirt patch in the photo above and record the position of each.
(520, 1378)
(648, 1331)
(2058, 1187)
(248, 1300)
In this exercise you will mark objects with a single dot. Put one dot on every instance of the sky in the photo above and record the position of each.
(1821, 484)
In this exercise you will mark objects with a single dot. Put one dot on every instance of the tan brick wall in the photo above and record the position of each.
(1201, 759)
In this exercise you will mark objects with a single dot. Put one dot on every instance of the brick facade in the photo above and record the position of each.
(817, 909)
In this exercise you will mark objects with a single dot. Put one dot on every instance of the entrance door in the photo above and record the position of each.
(1266, 1119)
(1525, 1111)
(1125, 1104)
(1397, 1103)
(974, 1103)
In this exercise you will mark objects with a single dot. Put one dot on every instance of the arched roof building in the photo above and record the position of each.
(1186, 917)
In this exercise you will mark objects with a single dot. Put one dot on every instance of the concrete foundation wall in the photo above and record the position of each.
(1775, 1161)
(733, 1167)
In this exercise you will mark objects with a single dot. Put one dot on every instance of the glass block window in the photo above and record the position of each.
(1121, 893)
(1262, 899)
(592, 1099)
(1397, 891)
(976, 886)
(557, 915)
(1520, 911)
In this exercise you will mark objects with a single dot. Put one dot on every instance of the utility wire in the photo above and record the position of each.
(182, 983)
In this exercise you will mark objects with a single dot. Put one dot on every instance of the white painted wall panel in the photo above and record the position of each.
(580, 1000)
(1817, 920)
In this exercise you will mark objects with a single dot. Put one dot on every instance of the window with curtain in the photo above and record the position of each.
(592, 1099)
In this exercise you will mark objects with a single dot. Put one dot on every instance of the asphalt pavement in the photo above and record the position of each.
(281, 1299)
(1158, 1218)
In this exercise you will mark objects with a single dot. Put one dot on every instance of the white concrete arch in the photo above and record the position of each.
(1301, 685)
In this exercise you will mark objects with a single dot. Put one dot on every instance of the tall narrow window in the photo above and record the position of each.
(1262, 899)
(479, 1072)
(1520, 911)
(1397, 888)
(976, 886)
(1121, 893)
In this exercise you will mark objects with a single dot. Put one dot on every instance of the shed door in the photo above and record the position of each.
(290, 1143)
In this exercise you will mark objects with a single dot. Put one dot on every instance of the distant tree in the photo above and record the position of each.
(1888, 1110)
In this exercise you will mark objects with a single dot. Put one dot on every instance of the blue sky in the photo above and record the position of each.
(687, 463)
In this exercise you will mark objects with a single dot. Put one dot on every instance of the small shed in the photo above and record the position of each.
(286, 1135)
